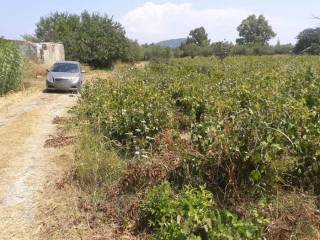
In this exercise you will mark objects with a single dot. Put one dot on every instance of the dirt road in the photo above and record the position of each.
(25, 166)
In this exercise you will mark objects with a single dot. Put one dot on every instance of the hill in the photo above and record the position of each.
(172, 43)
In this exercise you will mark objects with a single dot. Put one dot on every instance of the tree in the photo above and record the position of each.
(255, 30)
(198, 37)
(135, 52)
(90, 38)
(102, 40)
(308, 41)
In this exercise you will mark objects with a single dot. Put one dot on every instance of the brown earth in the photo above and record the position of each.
(25, 164)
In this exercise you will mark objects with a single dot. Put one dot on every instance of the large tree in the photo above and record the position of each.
(90, 38)
(255, 30)
(308, 41)
(198, 37)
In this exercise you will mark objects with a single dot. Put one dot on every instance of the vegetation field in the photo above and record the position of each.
(11, 64)
(205, 149)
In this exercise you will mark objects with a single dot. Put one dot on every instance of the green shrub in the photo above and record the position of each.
(192, 215)
(128, 113)
(242, 127)
(252, 121)
(11, 67)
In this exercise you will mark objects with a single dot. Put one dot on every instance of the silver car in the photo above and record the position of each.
(65, 76)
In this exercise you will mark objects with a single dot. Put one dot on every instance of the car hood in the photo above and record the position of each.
(64, 75)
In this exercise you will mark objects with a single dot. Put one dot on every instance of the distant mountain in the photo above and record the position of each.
(172, 43)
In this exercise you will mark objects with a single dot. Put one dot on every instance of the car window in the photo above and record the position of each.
(65, 67)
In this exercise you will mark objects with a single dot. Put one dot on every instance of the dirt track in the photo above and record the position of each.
(25, 166)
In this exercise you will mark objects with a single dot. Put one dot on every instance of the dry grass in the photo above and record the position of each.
(59, 141)
(33, 69)
(295, 216)
(63, 218)
(16, 132)
(67, 212)
(34, 75)
(34, 83)
(93, 73)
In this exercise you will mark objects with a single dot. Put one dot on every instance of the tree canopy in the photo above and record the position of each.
(199, 37)
(90, 38)
(308, 41)
(255, 30)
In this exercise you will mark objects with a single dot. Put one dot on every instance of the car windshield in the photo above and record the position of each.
(65, 67)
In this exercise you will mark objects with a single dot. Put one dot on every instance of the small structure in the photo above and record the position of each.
(43, 53)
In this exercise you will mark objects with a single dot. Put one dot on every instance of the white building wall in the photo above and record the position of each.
(43, 53)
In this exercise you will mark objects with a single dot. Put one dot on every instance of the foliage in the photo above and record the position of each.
(128, 112)
(255, 30)
(30, 38)
(192, 215)
(135, 52)
(221, 49)
(90, 38)
(243, 126)
(197, 44)
(308, 42)
(253, 121)
(283, 48)
(96, 165)
(157, 53)
(199, 37)
(253, 50)
(224, 49)
(11, 67)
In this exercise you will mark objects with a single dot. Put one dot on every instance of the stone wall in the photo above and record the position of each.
(43, 53)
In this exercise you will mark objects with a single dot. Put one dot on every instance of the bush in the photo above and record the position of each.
(243, 127)
(283, 48)
(222, 49)
(128, 113)
(253, 50)
(157, 53)
(243, 133)
(11, 67)
(192, 215)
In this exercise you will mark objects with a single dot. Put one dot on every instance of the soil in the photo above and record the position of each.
(26, 166)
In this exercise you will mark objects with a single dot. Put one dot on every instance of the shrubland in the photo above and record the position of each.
(205, 149)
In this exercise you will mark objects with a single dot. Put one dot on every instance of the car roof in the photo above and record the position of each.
(74, 62)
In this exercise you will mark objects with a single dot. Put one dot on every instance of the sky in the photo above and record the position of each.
(157, 20)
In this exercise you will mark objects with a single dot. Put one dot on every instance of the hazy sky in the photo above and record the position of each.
(153, 21)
